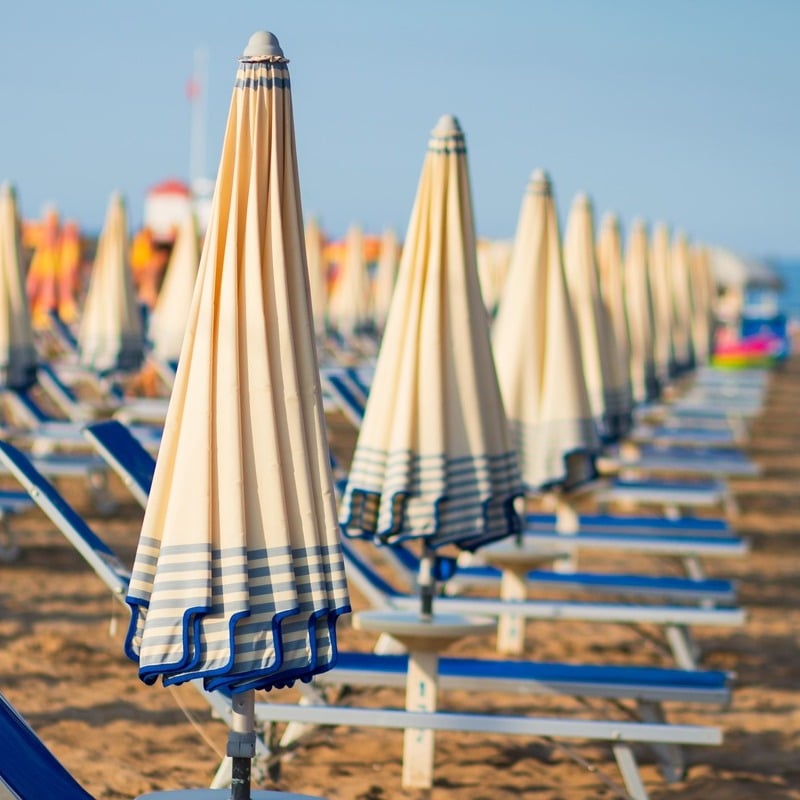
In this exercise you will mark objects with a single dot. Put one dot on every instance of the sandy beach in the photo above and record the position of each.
(62, 665)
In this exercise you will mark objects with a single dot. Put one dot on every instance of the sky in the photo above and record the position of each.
(683, 111)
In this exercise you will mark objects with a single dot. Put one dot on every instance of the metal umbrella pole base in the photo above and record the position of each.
(242, 743)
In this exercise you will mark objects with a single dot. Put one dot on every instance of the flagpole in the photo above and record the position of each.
(197, 139)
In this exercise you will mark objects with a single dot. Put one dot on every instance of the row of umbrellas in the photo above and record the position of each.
(238, 578)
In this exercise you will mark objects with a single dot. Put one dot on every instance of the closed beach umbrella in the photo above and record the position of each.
(348, 307)
(641, 320)
(110, 336)
(434, 460)
(661, 292)
(538, 354)
(17, 351)
(42, 278)
(682, 303)
(168, 320)
(606, 399)
(238, 577)
(385, 277)
(69, 272)
(703, 294)
(317, 273)
(612, 294)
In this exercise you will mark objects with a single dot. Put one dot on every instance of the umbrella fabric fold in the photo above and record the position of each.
(661, 292)
(110, 337)
(612, 295)
(317, 273)
(168, 320)
(606, 399)
(639, 308)
(17, 351)
(385, 277)
(433, 459)
(538, 355)
(682, 301)
(238, 577)
(348, 306)
(703, 293)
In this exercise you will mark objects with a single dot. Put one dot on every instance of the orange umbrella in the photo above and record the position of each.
(41, 283)
(69, 268)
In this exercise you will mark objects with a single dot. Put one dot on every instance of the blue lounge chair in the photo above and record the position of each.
(30, 771)
(349, 393)
(648, 687)
(136, 469)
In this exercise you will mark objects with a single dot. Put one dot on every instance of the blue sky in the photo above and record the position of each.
(684, 111)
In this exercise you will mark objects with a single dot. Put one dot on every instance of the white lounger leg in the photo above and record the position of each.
(629, 769)
(511, 626)
(683, 648)
(418, 743)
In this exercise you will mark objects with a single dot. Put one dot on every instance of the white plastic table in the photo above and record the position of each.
(424, 639)
(515, 561)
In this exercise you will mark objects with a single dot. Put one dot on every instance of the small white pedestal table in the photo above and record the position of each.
(423, 638)
(516, 561)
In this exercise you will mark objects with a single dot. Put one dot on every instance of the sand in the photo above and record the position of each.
(62, 665)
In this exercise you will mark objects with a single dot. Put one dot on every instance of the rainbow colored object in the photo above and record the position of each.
(758, 350)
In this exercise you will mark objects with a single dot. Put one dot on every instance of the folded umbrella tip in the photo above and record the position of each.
(540, 175)
(263, 44)
(447, 126)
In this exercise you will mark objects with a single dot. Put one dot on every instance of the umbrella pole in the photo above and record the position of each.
(427, 582)
(242, 743)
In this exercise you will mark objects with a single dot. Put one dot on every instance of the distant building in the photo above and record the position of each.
(167, 204)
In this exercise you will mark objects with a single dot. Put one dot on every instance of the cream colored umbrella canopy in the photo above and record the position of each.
(348, 306)
(612, 293)
(110, 337)
(641, 320)
(17, 350)
(434, 460)
(538, 354)
(385, 277)
(238, 577)
(494, 257)
(703, 309)
(661, 292)
(317, 273)
(168, 320)
(682, 301)
(606, 398)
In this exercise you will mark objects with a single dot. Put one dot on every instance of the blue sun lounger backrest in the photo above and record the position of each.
(135, 466)
(102, 559)
(27, 768)
(126, 456)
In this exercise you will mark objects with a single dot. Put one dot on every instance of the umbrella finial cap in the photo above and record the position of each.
(263, 44)
(447, 126)
(582, 199)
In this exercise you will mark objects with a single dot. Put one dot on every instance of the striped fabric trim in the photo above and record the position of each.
(263, 618)
(262, 75)
(466, 501)
(543, 451)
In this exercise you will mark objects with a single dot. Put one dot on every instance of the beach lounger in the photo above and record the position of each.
(136, 469)
(676, 620)
(100, 557)
(665, 587)
(651, 458)
(648, 687)
(30, 771)
(348, 391)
